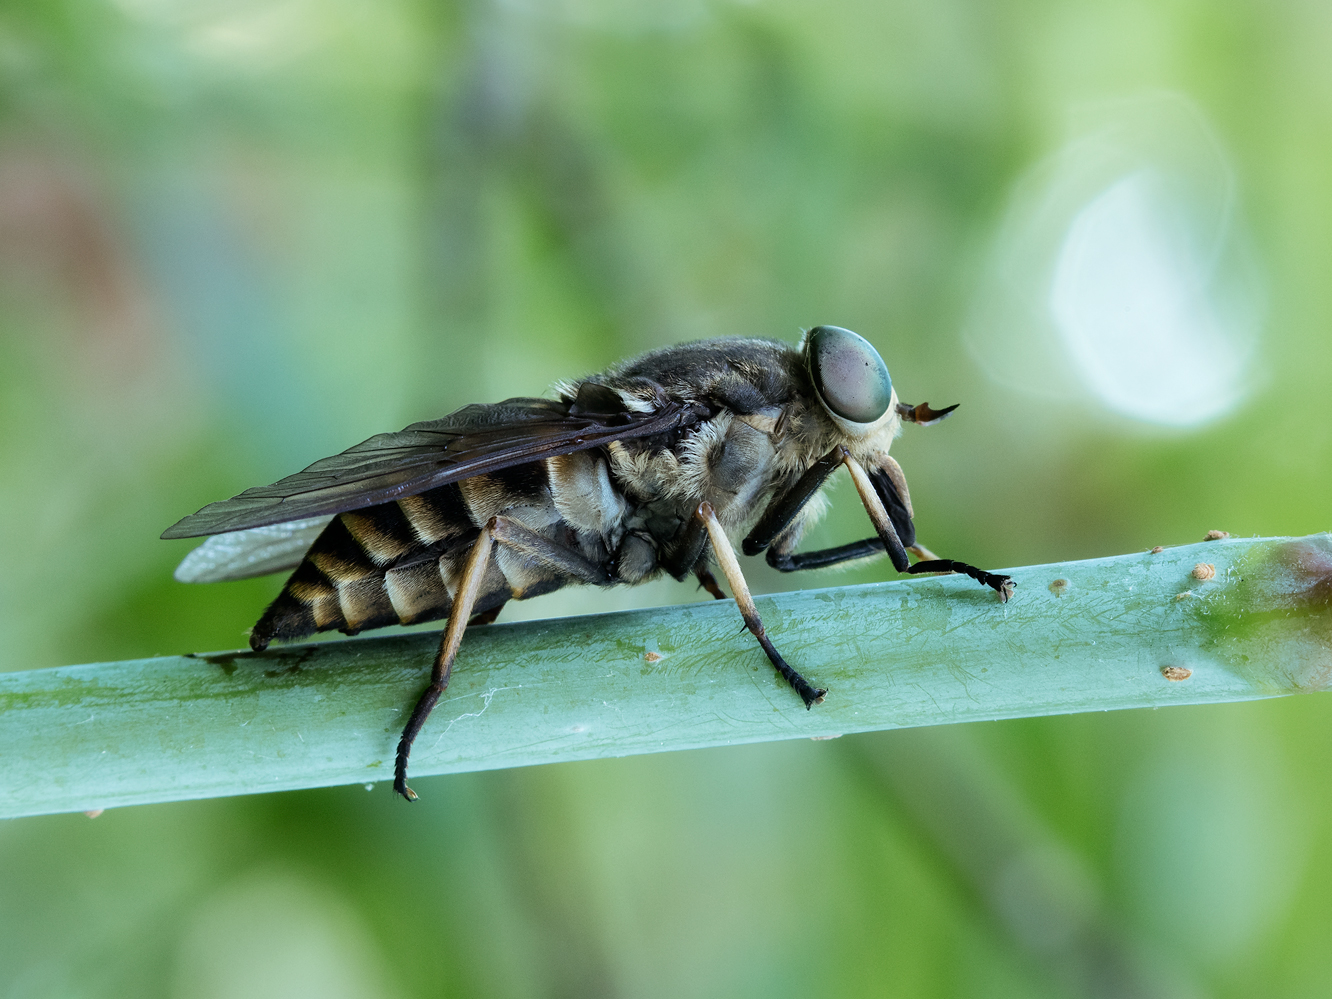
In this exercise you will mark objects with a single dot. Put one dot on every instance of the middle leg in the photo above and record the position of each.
(730, 566)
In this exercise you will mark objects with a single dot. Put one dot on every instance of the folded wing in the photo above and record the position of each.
(256, 552)
(474, 440)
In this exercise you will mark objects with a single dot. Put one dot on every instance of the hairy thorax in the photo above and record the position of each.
(737, 462)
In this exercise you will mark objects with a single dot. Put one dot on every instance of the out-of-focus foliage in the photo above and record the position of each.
(237, 237)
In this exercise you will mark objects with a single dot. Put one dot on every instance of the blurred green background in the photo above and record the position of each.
(236, 237)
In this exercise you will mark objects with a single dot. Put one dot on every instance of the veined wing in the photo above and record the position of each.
(256, 552)
(474, 440)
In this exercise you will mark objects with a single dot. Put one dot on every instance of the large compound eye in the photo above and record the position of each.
(849, 374)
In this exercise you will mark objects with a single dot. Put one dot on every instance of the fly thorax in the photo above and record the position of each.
(739, 471)
(642, 473)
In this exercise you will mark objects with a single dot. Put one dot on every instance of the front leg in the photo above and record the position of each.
(784, 561)
(785, 507)
(890, 485)
(1003, 585)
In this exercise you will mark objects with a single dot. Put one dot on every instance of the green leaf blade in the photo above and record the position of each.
(916, 652)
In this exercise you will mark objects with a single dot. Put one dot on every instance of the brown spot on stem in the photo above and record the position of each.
(1158, 550)
(1312, 568)
(1276, 614)
(653, 657)
(1216, 535)
(1204, 570)
(1176, 673)
(92, 813)
(1058, 587)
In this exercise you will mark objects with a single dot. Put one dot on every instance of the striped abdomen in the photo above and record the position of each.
(400, 562)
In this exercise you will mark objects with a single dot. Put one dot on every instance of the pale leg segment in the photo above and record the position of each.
(730, 567)
(1002, 585)
(544, 552)
(463, 602)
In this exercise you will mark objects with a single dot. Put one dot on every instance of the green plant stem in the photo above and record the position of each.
(926, 651)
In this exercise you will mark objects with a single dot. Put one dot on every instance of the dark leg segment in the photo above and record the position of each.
(883, 491)
(730, 566)
(896, 503)
(558, 558)
(877, 514)
(709, 582)
(824, 557)
(682, 559)
(783, 509)
(463, 602)
(922, 553)
(1002, 585)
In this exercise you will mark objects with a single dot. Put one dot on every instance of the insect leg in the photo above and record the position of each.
(888, 483)
(709, 582)
(824, 557)
(784, 507)
(730, 566)
(559, 558)
(1002, 585)
(469, 587)
(688, 550)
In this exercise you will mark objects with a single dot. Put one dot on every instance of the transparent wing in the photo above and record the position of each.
(256, 552)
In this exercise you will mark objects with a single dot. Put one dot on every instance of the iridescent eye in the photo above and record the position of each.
(849, 374)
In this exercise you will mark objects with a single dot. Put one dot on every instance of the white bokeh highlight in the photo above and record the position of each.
(1130, 299)
(1121, 281)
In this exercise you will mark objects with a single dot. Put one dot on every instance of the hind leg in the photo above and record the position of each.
(464, 601)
